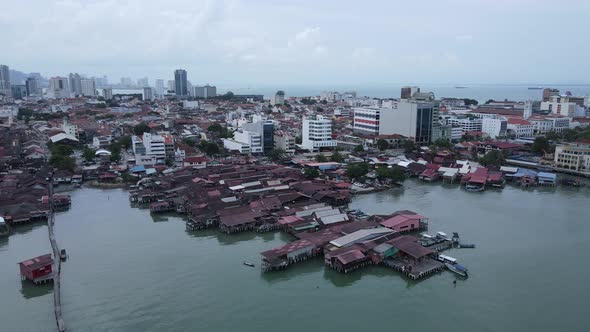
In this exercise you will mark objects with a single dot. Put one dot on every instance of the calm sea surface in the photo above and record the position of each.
(128, 271)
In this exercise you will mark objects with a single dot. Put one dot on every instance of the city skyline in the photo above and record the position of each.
(228, 42)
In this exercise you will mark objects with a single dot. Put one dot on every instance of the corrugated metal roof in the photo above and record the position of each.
(359, 235)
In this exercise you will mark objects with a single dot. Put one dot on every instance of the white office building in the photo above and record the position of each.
(317, 133)
(573, 157)
(88, 88)
(560, 105)
(58, 88)
(466, 124)
(107, 93)
(494, 127)
(366, 120)
(155, 146)
(148, 93)
(160, 87)
(415, 119)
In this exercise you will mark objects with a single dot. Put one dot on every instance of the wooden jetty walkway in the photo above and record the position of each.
(56, 254)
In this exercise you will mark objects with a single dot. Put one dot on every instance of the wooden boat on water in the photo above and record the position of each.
(474, 187)
(249, 264)
(457, 269)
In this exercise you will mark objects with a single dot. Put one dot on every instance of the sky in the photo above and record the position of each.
(282, 42)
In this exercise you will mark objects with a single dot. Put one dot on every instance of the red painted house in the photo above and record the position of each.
(405, 222)
(38, 269)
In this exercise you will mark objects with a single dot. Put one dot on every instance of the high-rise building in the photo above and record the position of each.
(33, 88)
(126, 81)
(278, 98)
(548, 93)
(317, 133)
(107, 93)
(58, 88)
(5, 80)
(366, 120)
(159, 87)
(180, 83)
(75, 84)
(265, 129)
(19, 91)
(170, 85)
(415, 119)
(148, 93)
(88, 88)
(143, 82)
(206, 91)
(408, 91)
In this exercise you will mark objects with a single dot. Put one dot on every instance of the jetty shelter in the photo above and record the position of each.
(38, 269)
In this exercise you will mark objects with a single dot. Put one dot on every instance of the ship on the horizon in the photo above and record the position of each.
(460, 87)
(535, 88)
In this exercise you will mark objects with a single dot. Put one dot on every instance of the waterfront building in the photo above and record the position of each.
(33, 88)
(278, 98)
(180, 83)
(58, 88)
(366, 120)
(75, 84)
(317, 133)
(148, 93)
(107, 93)
(5, 80)
(88, 88)
(38, 269)
(573, 157)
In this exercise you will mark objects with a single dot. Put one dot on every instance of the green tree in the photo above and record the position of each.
(88, 154)
(141, 128)
(540, 145)
(394, 174)
(190, 141)
(356, 171)
(469, 102)
(209, 148)
(409, 146)
(382, 144)
(62, 162)
(493, 157)
(125, 141)
(298, 140)
(320, 158)
(337, 157)
(443, 143)
(276, 154)
(311, 172)
(359, 149)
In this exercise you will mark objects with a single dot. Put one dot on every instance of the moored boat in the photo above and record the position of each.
(457, 269)
(249, 264)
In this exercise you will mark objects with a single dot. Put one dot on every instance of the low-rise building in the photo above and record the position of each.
(573, 157)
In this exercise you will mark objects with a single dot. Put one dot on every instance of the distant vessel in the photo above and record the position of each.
(535, 88)
(249, 264)
(460, 87)
(458, 269)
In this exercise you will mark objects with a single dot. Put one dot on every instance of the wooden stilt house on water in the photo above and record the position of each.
(38, 270)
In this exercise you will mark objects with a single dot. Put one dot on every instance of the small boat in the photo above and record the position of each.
(446, 259)
(474, 188)
(466, 245)
(249, 264)
(458, 269)
(63, 255)
(460, 87)
(535, 88)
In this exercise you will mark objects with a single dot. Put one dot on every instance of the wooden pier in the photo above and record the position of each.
(56, 254)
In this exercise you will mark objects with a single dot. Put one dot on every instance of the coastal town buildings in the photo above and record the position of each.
(573, 157)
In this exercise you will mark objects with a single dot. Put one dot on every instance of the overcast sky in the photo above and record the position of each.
(302, 41)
